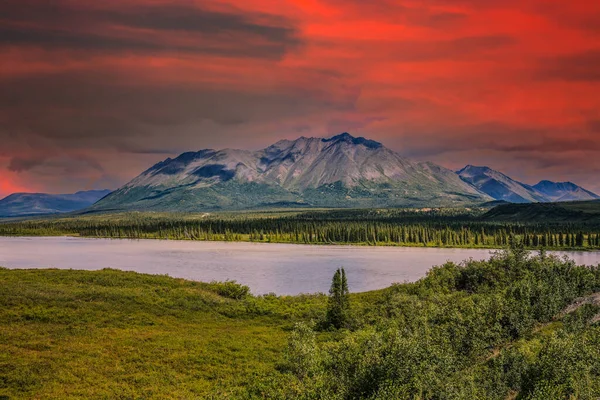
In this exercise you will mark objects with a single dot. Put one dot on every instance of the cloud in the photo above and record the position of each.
(594, 125)
(19, 164)
(582, 66)
(501, 138)
(192, 29)
(453, 49)
(401, 12)
(100, 110)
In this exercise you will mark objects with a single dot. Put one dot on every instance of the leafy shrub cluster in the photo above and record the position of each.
(230, 289)
(480, 330)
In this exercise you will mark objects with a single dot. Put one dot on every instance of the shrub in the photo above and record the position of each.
(230, 289)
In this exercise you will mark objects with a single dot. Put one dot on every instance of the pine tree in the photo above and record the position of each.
(338, 309)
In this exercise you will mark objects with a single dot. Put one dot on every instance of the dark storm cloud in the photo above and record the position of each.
(553, 145)
(72, 40)
(69, 164)
(581, 66)
(19, 164)
(99, 111)
(500, 137)
(179, 18)
(227, 33)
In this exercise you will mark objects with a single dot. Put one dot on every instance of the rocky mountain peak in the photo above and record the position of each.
(339, 171)
(348, 138)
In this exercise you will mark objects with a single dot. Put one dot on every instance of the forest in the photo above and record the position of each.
(515, 326)
(392, 227)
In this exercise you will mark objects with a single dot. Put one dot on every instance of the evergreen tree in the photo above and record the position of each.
(338, 308)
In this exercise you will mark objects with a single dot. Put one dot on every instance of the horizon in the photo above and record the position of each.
(93, 93)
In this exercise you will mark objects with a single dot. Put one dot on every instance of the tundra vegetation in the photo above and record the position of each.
(512, 326)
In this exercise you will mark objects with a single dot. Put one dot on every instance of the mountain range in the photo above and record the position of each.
(338, 172)
(341, 171)
(502, 187)
(26, 204)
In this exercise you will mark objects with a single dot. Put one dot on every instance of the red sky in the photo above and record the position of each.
(92, 93)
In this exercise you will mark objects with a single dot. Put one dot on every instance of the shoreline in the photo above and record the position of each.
(335, 244)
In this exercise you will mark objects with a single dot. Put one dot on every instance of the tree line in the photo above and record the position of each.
(324, 228)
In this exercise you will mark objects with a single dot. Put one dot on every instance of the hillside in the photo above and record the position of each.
(342, 171)
(508, 327)
(566, 212)
(26, 204)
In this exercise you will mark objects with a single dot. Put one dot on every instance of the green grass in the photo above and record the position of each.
(112, 334)
(492, 329)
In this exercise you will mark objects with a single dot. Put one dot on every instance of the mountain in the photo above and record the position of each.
(564, 191)
(500, 186)
(341, 171)
(23, 204)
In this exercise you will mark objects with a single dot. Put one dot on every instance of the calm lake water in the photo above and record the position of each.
(279, 268)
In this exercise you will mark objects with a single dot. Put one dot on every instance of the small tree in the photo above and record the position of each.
(338, 309)
(516, 250)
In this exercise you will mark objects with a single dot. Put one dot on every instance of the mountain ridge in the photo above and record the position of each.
(564, 191)
(29, 204)
(502, 187)
(340, 171)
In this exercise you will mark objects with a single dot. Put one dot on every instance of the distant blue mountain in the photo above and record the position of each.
(24, 204)
(502, 187)
(564, 191)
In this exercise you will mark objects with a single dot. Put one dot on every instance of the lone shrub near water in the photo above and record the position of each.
(230, 289)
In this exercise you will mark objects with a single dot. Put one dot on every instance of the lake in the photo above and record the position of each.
(279, 268)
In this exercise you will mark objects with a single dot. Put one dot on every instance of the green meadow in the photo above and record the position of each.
(513, 326)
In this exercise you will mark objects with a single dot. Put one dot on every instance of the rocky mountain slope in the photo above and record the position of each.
(564, 191)
(342, 171)
(499, 186)
(502, 187)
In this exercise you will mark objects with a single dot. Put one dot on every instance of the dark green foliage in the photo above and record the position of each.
(338, 307)
(395, 227)
(480, 330)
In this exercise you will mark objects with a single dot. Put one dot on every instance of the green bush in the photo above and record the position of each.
(230, 289)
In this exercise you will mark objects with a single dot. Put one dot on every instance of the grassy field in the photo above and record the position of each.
(509, 327)
(112, 334)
